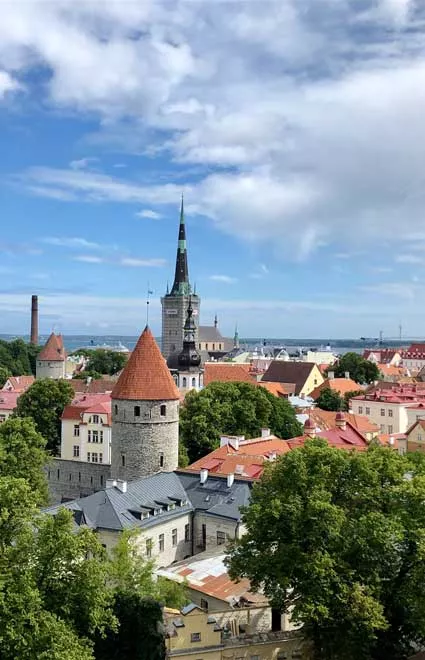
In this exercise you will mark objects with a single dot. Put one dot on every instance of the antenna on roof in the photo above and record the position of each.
(149, 293)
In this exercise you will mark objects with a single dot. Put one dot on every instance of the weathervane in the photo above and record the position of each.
(149, 293)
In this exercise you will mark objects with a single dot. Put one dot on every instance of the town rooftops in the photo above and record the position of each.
(340, 385)
(53, 350)
(214, 496)
(8, 400)
(18, 383)
(325, 421)
(344, 437)
(206, 572)
(227, 372)
(96, 386)
(146, 376)
(210, 333)
(397, 393)
(99, 404)
(281, 371)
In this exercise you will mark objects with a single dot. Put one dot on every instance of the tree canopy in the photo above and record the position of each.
(339, 537)
(361, 370)
(103, 361)
(329, 399)
(5, 373)
(233, 409)
(44, 402)
(18, 357)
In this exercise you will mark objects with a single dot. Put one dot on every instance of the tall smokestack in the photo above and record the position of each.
(34, 320)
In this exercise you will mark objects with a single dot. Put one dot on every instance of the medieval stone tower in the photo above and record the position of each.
(145, 415)
(175, 302)
(51, 361)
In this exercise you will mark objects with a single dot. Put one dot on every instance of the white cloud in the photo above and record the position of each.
(82, 163)
(89, 259)
(148, 213)
(409, 259)
(141, 263)
(71, 242)
(7, 84)
(225, 279)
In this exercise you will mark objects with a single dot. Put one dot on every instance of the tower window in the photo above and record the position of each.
(163, 409)
(123, 460)
(137, 411)
(193, 382)
(116, 409)
(184, 381)
(161, 460)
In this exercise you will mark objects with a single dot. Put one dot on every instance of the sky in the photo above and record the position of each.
(294, 128)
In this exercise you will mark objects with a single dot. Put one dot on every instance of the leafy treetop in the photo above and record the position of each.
(361, 370)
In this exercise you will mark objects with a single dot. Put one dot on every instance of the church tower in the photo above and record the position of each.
(189, 375)
(145, 415)
(175, 302)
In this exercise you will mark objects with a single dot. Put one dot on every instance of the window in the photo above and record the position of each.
(195, 637)
(193, 382)
(137, 411)
(95, 436)
(161, 542)
(255, 657)
(94, 457)
(221, 538)
(148, 547)
(187, 533)
(79, 477)
(163, 409)
(184, 381)
(360, 410)
(220, 346)
(116, 409)
(174, 537)
(382, 412)
(100, 457)
(88, 457)
(390, 428)
(123, 460)
(390, 412)
(213, 347)
(88, 436)
(204, 604)
(76, 451)
(101, 479)
(161, 460)
(70, 476)
(76, 430)
(367, 411)
(206, 347)
(95, 419)
(419, 438)
(59, 474)
(382, 427)
(100, 436)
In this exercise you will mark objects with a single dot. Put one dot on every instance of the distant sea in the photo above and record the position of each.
(73, 342)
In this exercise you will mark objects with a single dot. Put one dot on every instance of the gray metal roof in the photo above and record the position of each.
(112, 509)
(215, 497)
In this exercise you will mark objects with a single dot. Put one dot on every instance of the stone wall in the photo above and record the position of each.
(54, 369)
(174, 310)
(147, 443)
(73, 479)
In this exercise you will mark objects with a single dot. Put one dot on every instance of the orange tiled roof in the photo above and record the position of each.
(97, 386)
(278, 389)
(18, 383)
(348, 438)
(340, 385)
(325, 420)
(53, 349)
(224, 373)
(146, 376)
(390, 369)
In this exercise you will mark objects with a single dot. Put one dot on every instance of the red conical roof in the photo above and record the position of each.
(53, 349)
(146, 376)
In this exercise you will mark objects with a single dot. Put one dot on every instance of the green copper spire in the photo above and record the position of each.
(181, 286)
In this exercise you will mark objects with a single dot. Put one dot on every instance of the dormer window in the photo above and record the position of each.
(95, 419)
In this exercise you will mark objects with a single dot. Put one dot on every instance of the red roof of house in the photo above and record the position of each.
(8, 400)
(348, 438)
(97, 386)
(225, 373)
(325, 420)
(247, 461)
(383, 355)
(98, 404)
(53, 349)
(278, 389)
(146, 376)
(340, 385)
(18, 383)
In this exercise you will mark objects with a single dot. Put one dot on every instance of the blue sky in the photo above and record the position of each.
(294, 128)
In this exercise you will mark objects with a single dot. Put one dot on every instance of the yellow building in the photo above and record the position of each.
(193, 634)
(304, 376)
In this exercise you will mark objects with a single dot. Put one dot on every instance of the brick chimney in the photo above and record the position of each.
(309, 428)
(340, 421)
(34, 320)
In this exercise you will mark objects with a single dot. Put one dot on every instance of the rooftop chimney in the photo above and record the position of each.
(117, 483)
(340, 421)
(34, 320)
(265, 433)
(230, 480)
(232, 441)
(203, 476)
(346, 374)
(331, 375)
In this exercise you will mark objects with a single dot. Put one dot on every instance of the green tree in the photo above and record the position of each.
(234, 409)
(361, 370)
(23, 454)
(44, 402)
(103, 361)
(5, 373)
(350, 395)
(18, 357)
(329, 399)
(339, 537)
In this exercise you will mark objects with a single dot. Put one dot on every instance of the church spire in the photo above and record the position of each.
(181, 286)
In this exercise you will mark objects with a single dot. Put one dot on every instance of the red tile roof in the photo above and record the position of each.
(225, 373)
(8, 400)
(97, 386)
(340, 385)
(53, 349)
(18, 383)
(98, 404)
(146, 376)
(383, 355)
(348, 438)
(278, 389)
(325, 420)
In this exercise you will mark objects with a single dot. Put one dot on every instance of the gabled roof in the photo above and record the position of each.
(281, 371)
(214, 497)
(227, 372)
(340, 385)
(278, 389)
(8, 400)
(88, 403)
(53, 349)
(210, 333)
(348, 438)
(18, 383)
(146, 376)
(97, 386)
(325, 420)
